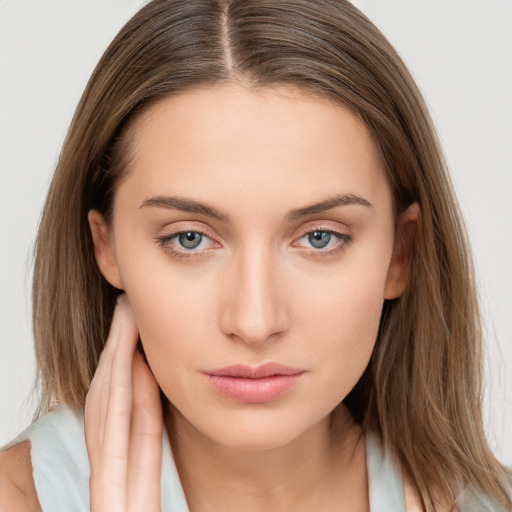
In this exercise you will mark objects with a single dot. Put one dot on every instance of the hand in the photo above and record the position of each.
(123, 424)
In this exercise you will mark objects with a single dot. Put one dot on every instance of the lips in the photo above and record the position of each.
(258, 384)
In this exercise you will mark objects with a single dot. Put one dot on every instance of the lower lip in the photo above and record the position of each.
(255, 391)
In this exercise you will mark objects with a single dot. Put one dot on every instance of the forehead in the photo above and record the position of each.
(264, 145)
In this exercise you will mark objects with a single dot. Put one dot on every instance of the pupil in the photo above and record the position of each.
(190, 240)
(320, 239)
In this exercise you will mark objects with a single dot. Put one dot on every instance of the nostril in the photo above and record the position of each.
(255, 338)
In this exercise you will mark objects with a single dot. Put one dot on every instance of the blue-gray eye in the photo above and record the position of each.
(190, 239)
(319, 239)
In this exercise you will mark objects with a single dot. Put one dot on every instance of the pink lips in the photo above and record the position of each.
(254, 384)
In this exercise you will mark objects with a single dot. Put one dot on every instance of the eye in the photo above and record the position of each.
(189, 239)
(320, 239)
(182, 244)
(186, 244)
(325, 241)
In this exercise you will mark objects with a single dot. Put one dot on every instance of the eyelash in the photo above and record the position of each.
(345, 240)
(164, 239)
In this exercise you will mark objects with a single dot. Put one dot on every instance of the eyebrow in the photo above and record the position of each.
(191, 206)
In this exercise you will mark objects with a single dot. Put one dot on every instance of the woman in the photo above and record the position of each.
(263, 182)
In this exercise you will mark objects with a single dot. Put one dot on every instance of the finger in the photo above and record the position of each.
(119, 350)
(122, 342)
(106, 493)
(96, 408)
(108, 410)
(145, 453)
(96, 403)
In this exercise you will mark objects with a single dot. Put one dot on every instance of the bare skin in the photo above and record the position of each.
(258, 291)
(123, 424)
(17, 489)
(255, 292)
(125, 453)
(300, 479)
(18, 492)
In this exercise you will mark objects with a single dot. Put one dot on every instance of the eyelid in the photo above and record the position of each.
(164, 239)
(185, 227)
(343, 235)
(323, 226)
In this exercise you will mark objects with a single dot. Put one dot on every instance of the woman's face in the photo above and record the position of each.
(253, 227)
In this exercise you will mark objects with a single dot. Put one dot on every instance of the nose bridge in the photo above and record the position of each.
(254, 310)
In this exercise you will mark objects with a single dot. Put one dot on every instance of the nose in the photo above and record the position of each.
(254, 309)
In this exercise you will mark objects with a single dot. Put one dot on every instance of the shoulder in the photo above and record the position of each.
(17, 488)
(46, 466)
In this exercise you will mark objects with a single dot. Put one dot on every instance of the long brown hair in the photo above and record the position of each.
(422, 388)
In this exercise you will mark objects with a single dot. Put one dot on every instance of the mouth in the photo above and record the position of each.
(259, 384)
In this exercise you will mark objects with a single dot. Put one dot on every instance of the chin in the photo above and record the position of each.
(255, 440)
(253, 428)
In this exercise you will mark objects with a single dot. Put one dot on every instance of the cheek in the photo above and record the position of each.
(170, 307)
(333, 319)
(342, 323)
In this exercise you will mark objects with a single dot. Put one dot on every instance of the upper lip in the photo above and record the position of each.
(255, 372)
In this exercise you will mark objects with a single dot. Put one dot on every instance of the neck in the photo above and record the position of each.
(321, 466)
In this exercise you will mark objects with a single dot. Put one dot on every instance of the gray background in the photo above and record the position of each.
(460, 52)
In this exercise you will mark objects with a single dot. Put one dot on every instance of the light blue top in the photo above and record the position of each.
(61, 469)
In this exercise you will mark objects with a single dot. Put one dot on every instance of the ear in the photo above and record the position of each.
(398, 271)
(104, 248)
